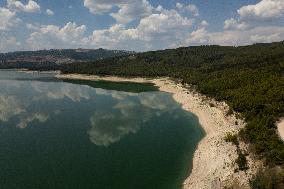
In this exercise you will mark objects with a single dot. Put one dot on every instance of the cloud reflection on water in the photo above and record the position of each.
(109, 127)
(9, 106)
(127, 116)
(114, 114)
(40, 117)
(17, 97)
(59, 91)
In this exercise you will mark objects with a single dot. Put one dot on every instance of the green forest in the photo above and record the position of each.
(249, 78)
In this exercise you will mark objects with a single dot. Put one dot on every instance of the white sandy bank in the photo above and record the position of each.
(280, 128)
(214, 159)
(105, 78)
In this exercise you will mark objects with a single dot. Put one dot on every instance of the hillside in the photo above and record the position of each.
(54, 58)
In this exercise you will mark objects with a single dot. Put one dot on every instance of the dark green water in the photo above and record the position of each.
(91, 135)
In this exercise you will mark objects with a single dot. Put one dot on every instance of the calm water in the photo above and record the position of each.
(91, 135)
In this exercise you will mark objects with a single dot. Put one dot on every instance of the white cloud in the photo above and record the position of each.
(237, 37)
(49, 12)
(188, 8)
(30, 7)
(131, 11)
(179, 5)
(199, 36)
(232, 24)
(111, 37)
(265, 9)
(128, 9)
(166, 28)
(31, 26)
(152, 32)
(9, 43)
(7, 19)
(164, 22)
(256, 15)
(50, 36)
(263, 38)
(204, 23)
(99, 6)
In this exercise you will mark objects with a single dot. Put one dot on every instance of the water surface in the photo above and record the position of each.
(101, 135)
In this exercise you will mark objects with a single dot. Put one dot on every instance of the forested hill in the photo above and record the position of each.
(249, 78)
(47, 59)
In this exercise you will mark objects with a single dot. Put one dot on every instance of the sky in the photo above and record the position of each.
(138, 25)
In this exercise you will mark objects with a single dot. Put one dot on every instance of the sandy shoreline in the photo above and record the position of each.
(214, 159)
(105, 78)
(280, 128)
(23, 70)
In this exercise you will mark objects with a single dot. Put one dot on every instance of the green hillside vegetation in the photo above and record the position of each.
(249, 78)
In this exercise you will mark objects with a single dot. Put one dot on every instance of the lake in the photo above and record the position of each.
(83, 134)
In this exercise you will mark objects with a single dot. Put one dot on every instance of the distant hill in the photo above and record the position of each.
(55, 57)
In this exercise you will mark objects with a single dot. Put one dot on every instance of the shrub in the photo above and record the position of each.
(229, 112)
(211, 104)
(242, 161)
(270, 178)
(233, 138)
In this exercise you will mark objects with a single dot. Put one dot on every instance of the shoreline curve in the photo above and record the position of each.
(214, 159)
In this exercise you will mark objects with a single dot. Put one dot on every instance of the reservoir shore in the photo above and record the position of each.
(214, 164)
(280, 127)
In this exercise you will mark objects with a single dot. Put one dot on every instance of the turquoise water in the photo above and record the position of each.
(100, 135)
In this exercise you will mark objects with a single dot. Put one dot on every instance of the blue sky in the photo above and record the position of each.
(138, 25)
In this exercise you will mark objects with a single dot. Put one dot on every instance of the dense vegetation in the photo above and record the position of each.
(271, 178)
(249, 78)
